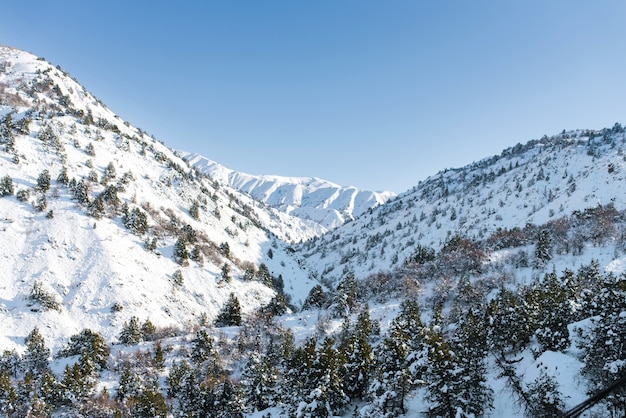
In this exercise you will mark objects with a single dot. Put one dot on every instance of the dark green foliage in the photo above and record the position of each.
(89, 342)
(323, 391)
(344, 298)
(43, 181)
(90, 150)
(226, 273)
(23, 195)
(604, 345)
(549, 304)
(43, 297)
(357, 355)
(511, 327)
(277, 306)
(194, 210)
(131, 332)
(543, 249)
(180, 251)
(148, 330)
(109, 173)
(8, 396)
(421, 255)
(225, 249)
(136, 221)
(6, 186)
(150, 244)
(35, 359)
(230, 315)
(316, 298)
(545, 399)
(96, 208)
(177, 278)
(259, 380)
(79, 190)
(263, 275)
(40, 203)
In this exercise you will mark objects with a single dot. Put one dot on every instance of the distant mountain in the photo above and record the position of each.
(308, 198)
(119, 258)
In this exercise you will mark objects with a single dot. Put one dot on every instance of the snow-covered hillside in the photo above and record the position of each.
(532, 183)
(308, 198)
(93, 214)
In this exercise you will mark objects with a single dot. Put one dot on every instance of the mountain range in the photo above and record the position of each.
(102, 225)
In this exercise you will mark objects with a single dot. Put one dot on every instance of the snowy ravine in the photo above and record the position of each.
(140, 283)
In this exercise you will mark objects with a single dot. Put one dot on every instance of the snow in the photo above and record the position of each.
(91, 265)
(323, 203)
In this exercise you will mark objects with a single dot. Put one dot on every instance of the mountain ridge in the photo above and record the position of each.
(308, 198)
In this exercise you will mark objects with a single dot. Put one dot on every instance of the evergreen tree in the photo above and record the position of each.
(357, 354)
(391, 382)
(510, 322)
(259, 380)
(604, 344)
(326, 396)
(136, 221)
(131, 332)
(35, 359)
(43, 181)
(90, 343)
(545, 399)
(550, 303)
(316, 298)
(230, 315)
(8, 396)
(473, 397)
(180, 251)
(229, 401)
(6, 186)
(344, 299)
(226, 273)
(543, 249)
(63, 178)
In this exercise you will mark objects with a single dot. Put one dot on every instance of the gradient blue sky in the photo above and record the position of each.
(374, 94)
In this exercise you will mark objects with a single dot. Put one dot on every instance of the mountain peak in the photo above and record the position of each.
(309, 198)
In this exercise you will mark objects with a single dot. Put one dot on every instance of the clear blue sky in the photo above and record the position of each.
(374, 94)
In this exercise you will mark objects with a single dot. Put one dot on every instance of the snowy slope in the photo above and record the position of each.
(92, 263)
(532, 183)
(308, 198)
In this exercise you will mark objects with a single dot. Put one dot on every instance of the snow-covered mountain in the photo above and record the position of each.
(96, 218)
(533, 183)
(308, 198)
(500, 278)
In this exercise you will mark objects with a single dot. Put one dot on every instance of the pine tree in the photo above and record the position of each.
(358, 357)
(604, 344)
(230, 315)
(43, 181)
(543, 249)
(391, 381)
(316, 298)
(37, 354)
(545, 399)
(180, 251)
(90, 343)
(136, 221)
(8, 396)
(324, 395)
(131, 332)
(6, 186)
(259, 380)
(510, 321)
